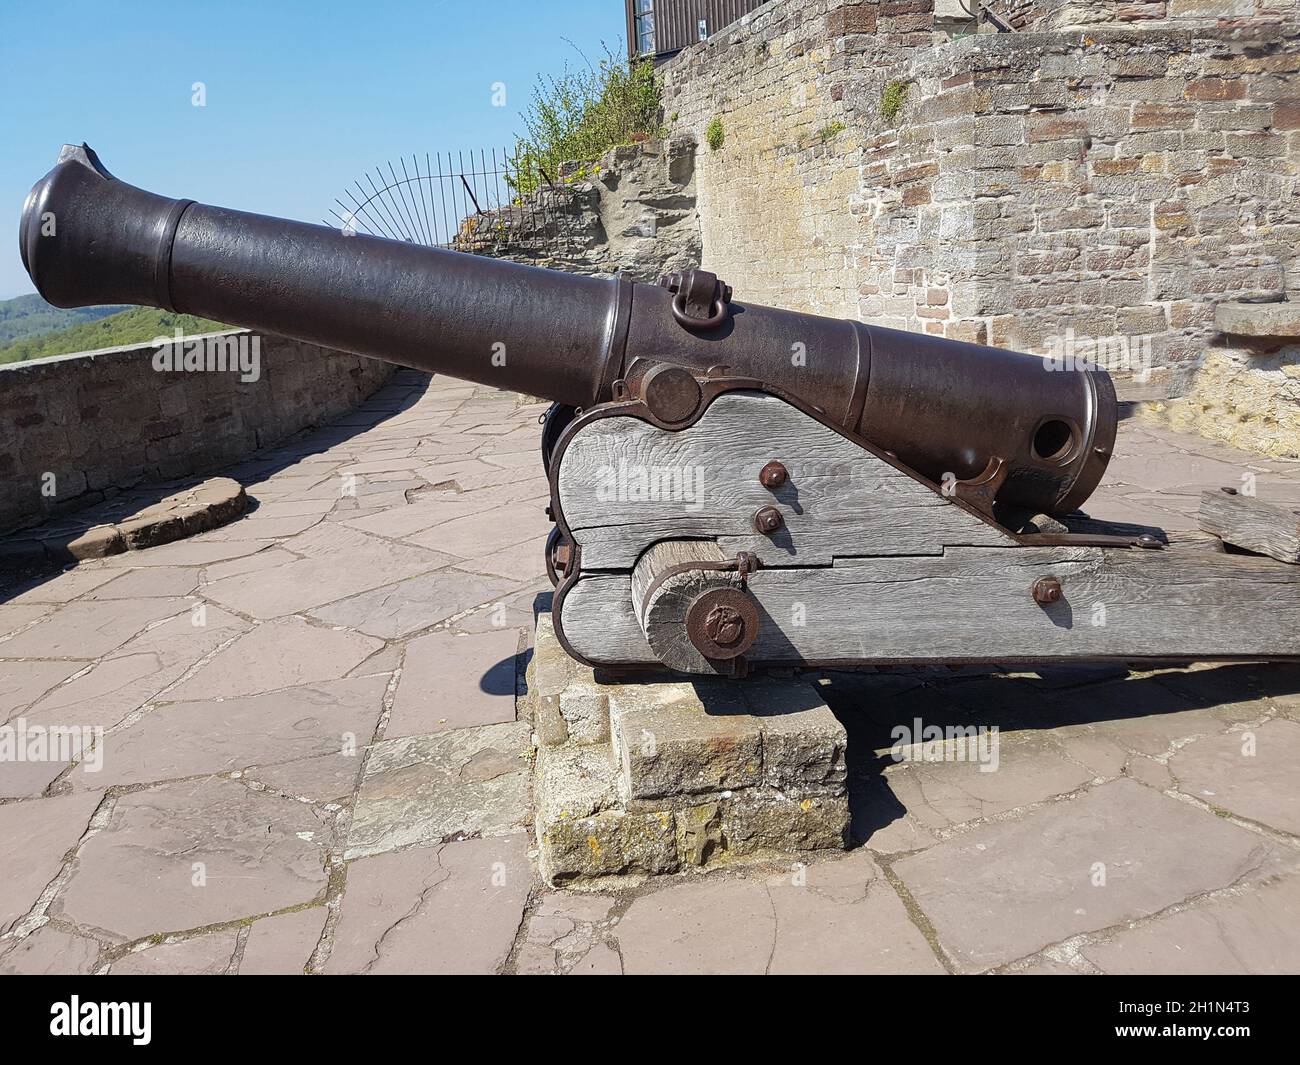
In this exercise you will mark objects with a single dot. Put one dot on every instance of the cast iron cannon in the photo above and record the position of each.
(730, 482)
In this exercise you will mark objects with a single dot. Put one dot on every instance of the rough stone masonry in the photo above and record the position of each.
(637, 779)
(1114, 179)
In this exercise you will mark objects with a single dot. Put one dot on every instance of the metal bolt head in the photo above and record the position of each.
(773, 475)
(1047, 590)
(768, 520)
(724, 625)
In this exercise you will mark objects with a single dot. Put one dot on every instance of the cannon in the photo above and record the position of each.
(732, 485)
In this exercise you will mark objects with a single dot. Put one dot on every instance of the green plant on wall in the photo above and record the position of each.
(713, 133)
(581, 114)
(830, 131)
(892, 99)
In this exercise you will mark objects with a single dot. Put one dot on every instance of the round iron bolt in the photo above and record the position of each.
(1047, 590)
(773, 475)
(768, 520)
(671, 392)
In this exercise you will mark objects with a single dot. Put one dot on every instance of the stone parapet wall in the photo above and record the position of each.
(77, 429)
(1095, 191)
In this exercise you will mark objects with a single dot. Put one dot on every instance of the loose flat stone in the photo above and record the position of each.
(282, 945)
(841, 916)
(188, 739)
(1255, 931)
(41, 831)
(279, 654)
(397, 610)
(1034, 880)
(448, 909)
(1252, 773)
(425, 789)
(453, 681)
(89, 629)
(49, 952)
(208, 955)
(720, 925)
(188, 855)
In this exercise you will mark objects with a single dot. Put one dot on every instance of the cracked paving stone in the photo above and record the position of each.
(136, 671)
(1252, 773)
(424, 789)
(201, 956)
(562, 935)
(13, 618)
(1255, 932)
(397, 610)
(190, 739)
(719, 925)
(41, 831)
(940, 794)
(278, 654)
(194, 552)
(451, 681)
(282, 945)
(194, 854)
(327, 778)
(454, 908)
(48, 951)
(154, 582)
(60, 587)
(841, 916)
(89, 629)
(1006, 890)
(22, 683)
(341, 562)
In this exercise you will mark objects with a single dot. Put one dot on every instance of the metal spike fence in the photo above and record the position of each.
(484, 202)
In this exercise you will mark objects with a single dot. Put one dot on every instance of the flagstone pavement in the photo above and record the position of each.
(313, 761)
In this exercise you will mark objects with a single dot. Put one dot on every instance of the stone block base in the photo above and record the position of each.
(658, 776)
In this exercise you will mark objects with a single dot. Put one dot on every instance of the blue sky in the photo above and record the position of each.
(302, 98)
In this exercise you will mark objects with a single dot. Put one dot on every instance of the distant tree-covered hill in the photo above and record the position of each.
(139, 325)
(30, 316)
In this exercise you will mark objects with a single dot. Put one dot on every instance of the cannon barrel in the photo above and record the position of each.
(944, 407)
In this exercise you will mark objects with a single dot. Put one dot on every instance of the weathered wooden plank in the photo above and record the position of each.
(974, 604)
(1252, 524)
(624, 484)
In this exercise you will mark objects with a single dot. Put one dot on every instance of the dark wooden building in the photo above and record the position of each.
(659, 29)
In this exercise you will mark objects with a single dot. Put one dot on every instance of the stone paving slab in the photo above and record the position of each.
(426, 789)
(387, 613)
(1007, 890)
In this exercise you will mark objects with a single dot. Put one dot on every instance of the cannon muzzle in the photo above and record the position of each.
(944, 407)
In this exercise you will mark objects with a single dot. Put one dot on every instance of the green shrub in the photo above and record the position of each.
(581, 114)
(892, 99)
(830, 131)
(713, 133)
